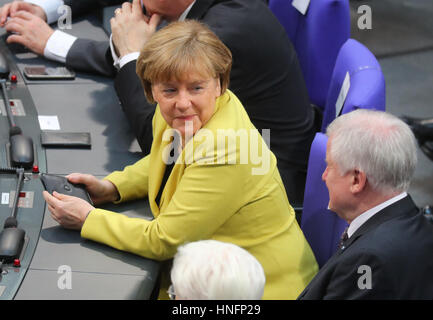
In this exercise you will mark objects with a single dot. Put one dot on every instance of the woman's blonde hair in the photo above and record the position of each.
(179, 48)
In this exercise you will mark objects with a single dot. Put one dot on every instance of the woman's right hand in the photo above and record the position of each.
(100, 191)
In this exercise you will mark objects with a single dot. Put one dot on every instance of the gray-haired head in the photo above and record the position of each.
(377, 143)
(214, 270)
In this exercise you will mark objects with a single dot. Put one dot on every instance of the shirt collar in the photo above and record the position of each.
(362, 218)
(185, 13)
(182, 17)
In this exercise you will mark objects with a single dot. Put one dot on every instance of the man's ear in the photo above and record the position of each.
(359, 181)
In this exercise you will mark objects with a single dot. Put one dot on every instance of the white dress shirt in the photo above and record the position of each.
(59, 43)
(361, 219)
(50, 7)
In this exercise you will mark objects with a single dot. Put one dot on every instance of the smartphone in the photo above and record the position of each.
(61, 184)
(46, 73)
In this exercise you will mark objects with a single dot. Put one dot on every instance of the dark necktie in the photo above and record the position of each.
(343, 239)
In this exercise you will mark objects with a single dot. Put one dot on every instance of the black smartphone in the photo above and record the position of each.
(61, 184)
(47, 73)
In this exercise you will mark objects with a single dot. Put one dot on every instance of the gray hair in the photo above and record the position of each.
(376, 143)
(214, 270)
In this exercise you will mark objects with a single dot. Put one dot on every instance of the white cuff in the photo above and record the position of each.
(58, 46)
(118, 63)
(113, 53)
(50, 7)
(128, 58)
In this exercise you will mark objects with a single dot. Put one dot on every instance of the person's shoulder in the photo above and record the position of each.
(397, 239)
(231, 16)
(229, 137)
(230, 114)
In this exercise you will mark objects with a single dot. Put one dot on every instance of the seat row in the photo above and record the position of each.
(341, 75)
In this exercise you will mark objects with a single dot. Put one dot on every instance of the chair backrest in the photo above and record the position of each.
(317, 37)
(367, 83)
(322, 227)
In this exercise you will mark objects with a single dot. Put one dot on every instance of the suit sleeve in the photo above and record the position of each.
(91, 56)
(133, 182)
(204, 200)
(137, 109)
(360, 276)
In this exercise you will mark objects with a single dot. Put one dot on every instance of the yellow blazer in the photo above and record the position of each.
(212, 194)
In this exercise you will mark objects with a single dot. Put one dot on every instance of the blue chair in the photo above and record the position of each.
(367, 83)
(322, 228)
(317, 38)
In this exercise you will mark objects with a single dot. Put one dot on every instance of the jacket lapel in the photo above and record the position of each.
(199, 8)
(402, 207)
(405, 206)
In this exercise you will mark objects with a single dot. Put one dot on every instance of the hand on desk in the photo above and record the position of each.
(100, 191)
(31, 31)
(10, 9)
(131, 28)
(68, 211)
(71, 212)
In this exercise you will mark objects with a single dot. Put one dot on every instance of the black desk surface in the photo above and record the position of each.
(94, 271)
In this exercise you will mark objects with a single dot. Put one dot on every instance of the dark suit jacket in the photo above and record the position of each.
(397, 244)
(89, 55)
(80, 7)
(266, 77)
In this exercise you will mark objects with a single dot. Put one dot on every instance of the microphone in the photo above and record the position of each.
(12, 238)
(21, 147)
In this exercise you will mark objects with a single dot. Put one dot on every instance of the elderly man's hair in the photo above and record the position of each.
(180, 48)
(214, 270)
(376, 143)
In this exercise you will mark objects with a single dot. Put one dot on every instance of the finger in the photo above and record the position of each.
(126, 7)
(60, 196)
(50, 202)
(4, 13)
(23, 15)
(48, 198)
(51, 199)
(55, 218)
(17, 25)
(112, 21)
(52, 210)
(13, 27)
(16, 38)
(74, 176)
(45, 194)
(136, 7)
(80, 178)
(155, 20)
(64, 197)
(15, 6)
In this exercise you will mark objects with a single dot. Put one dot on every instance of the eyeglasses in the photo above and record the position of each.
(171, 293)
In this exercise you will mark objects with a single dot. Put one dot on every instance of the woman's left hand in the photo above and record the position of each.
(68, 211)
